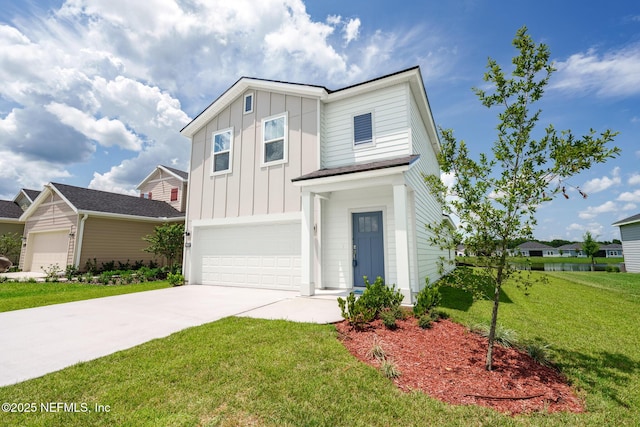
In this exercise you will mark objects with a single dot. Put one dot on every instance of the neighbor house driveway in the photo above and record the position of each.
(40, 340)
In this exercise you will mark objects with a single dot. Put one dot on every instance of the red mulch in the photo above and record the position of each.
(447, 362)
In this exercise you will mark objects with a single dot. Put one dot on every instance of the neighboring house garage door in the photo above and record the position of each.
(265, 255)
(47, 249)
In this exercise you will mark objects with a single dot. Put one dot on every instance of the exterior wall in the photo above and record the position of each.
(115, 240)
(390, 108)
(630, 236)
(8, 227)
(337, 270)
(160, 186)
(427, 208)
(250, 188)
(53, 214)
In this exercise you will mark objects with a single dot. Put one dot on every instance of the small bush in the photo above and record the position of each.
(377, 296)
(612, 269)
(355, 312)
(438, 315)
(425, 321)
(52, 272)
(388, 318)
(71, 271)
(175, 279)
(428, 298)
(540, 353)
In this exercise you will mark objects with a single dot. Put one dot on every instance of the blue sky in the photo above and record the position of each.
(94, 93)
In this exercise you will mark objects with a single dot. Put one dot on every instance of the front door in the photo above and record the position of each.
(368, 247)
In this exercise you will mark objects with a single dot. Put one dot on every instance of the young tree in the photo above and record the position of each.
(10, 245)
(590, 248)
(167, 241)
(496, 196)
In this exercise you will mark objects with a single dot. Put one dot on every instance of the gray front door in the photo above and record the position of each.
(368, 247)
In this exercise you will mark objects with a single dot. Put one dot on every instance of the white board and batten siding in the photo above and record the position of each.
(389, 107)
(630, 236)
(229, 246)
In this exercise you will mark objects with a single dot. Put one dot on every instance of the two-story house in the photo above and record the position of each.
(295, 186)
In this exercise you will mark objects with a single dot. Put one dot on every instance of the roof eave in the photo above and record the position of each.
(131, 217)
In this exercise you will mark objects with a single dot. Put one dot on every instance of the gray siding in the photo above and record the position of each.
(631, 246)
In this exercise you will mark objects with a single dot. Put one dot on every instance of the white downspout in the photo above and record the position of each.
(79, 241)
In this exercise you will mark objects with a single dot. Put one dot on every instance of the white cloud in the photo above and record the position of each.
(352, 30)
(106, 132)
(600, 184)
(630, 196)
(614, 73)
(629, 207)
(634, 179)
(593, 211)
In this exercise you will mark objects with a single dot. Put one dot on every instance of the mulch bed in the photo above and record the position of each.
(447, 362)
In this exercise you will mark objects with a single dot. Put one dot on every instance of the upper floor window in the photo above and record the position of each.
(248, 103)
(146, 195)
(363, 129)
(274, 139)
(222, 146)
(174, 194)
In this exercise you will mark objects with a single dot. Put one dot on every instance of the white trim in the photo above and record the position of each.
(162, 168)
(354, 180)
(79, 238)
(285, 148)
(248, 220)
(214, 172)
(131, 217)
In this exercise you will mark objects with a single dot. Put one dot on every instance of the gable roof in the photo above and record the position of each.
(10, 210)
(571, 247)
(626, 221)
(531, 245)
(412, 75)
(177, 173)
(104, 203)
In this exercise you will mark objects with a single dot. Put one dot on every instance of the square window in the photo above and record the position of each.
(363, 129)
(274, 140)
(222, 146)
(248, 103)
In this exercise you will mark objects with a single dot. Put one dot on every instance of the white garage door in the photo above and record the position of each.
(266, 255)
(48, 249)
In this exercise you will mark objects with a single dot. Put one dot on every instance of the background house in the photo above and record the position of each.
(68, 225)
(630, 236)
(531, 248)
(571, 250)
(296, 186)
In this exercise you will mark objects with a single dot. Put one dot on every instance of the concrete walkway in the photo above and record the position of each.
(37, 341)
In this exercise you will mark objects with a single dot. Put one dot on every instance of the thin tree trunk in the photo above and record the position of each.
(492, 328)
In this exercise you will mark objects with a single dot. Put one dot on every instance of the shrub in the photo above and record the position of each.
(91, 266)
(106, 277)
(175, 279)
(376, 351)
(355, 312)
(612, 269)
(540, 353)
(52, 273)
(108, 266)
(437, 315)
(388, 318)
(377, 296)
(71, 271)
(425, 321)
(428, 298)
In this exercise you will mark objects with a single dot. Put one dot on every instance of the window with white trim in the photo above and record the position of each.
(248, 103)
(363, 129)
(274, 140)
(222, 146)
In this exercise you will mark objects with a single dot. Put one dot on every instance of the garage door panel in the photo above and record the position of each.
(257, 256)
(48, 249)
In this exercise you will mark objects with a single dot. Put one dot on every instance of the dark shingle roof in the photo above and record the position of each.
(571, 247)
(611, 246)
(85, 199)
(634, 218)
(9, 209)
(363, 167)
(534, 246)
(182, 174)
(33, 194)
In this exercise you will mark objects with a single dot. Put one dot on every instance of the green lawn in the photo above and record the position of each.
(19, 295)
(240, 371)
(548, 260)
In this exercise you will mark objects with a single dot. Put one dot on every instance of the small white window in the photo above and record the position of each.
(222, 147)
(274, 140)
(248, 103)
(363, 129)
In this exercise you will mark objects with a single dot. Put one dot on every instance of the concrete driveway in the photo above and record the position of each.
(41, 340)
